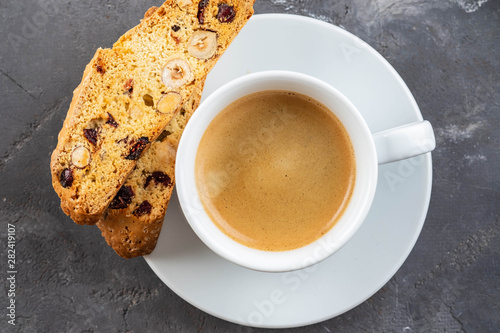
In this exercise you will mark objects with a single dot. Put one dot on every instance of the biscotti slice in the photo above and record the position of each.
(133, 220)
(129, 93)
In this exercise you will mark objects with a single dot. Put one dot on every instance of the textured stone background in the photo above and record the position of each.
(447, 51)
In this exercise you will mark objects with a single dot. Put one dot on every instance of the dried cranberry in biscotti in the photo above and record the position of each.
(66, 178)
(143, 209)
(123, 198)
(111, 121)
(137, 148)
(226, 13)
(159, 178)
(201, 10)
(91, 134)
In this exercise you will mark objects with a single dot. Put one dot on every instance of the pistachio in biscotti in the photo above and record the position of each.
(66, 178)
(169, 103)
(123, 198)
(148, 100)
(202, 44)
(176, 73)
(80, 157)
(226, 13)
(163, 135)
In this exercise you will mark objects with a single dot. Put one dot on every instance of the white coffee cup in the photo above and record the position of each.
(370, 151)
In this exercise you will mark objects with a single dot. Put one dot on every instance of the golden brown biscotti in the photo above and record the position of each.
(133, 220)
(129, 93)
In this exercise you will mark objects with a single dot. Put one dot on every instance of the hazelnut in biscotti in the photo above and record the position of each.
(129, 93)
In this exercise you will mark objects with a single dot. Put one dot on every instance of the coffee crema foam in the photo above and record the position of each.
(275, 170)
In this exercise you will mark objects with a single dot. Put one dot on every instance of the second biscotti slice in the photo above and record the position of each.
(128, 94)
(133, 221)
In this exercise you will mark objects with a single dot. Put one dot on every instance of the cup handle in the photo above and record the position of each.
(404, 142)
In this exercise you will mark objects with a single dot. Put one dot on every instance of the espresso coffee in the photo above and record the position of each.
(275, 170)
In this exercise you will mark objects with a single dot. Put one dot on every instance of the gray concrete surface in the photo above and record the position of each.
(68, 280)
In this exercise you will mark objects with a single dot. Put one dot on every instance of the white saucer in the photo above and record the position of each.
(375, 253)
